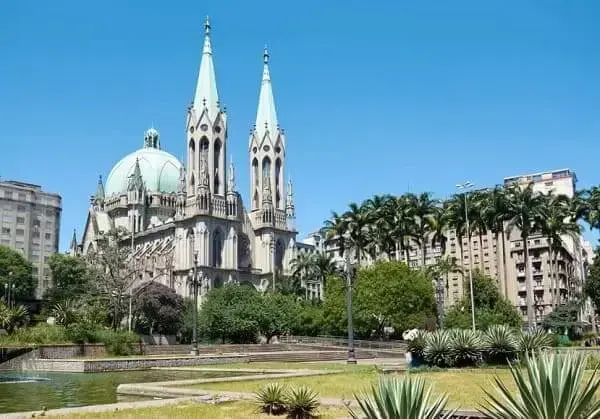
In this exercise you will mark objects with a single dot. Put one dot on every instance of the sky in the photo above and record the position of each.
(381, 97)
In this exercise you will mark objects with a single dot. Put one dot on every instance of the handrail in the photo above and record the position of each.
(341, 341)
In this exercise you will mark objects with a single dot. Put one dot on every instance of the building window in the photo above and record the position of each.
(5, 230)
(49, 213)
(536, 241)
(47, 236)
(22, 196)
(35, 234)
(20, 220)
(8, 194)
(20, 232)
(36, 222)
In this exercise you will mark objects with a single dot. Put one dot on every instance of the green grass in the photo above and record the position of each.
(464, 387)
(231, 410)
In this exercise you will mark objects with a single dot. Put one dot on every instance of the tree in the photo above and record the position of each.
(229, 314)
(591, 287)
(157, 309)
(495, 213)
(70, 278)
(490, 307)
(391, 294)
(275, 314)
(113, 273)
(356, 235)
(14, 268)
(524, 214)
(565, 319)
(424, 208)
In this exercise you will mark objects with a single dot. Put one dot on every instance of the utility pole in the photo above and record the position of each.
(351, 357)
(194, 282)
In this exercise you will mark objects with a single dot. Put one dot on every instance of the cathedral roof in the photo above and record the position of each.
(159, 171)
(206, 87)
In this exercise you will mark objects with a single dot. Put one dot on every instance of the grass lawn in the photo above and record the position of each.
(231, 410)
(464, 387)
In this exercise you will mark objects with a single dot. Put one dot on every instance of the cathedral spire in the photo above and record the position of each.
(289, 200)
(73, 245)
(136, 182)
(181, 189)
(99, 189)
(266, 116)
(206, 88)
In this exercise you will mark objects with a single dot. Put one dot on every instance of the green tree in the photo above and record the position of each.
(275, 314)
(310, 319)
(391, 294)
(70, 278)
(591, 287)
(490, 307)
(229, 314)
(565, 319)
(14, 268)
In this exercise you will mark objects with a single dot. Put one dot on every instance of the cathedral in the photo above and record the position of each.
(184, 216)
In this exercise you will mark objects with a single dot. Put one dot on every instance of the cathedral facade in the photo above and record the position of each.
(180, 217)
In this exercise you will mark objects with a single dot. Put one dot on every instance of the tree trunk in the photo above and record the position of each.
(528, 286)
(553, 279)
(440, 301)
(424, 251)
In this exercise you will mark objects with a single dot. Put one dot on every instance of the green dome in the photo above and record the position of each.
(160, 171)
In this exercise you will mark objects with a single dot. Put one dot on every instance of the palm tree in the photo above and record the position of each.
(557, 222)
(455, 209)
(495, 214)
(439, 226)
(423, 208)
(335, 229)
(477, 217)
(358, 222)
(302, 266)
(380, 239)
(402, 225)
(439, 272)
(524, 213)
(323, 266)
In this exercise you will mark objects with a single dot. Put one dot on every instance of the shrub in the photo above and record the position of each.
(500, 344)
(465, 347)
(549, 386)
(38, 334)
(302, 403)
(272, 398)
(534, 341)
(118, 343)
(437, 350)
(401, 398)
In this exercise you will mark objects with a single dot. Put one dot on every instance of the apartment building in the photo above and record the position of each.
(30, 223)
(503, 257)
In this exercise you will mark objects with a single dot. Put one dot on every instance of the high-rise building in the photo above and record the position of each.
(30, 223)
(502, 256)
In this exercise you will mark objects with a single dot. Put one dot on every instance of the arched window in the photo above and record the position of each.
(278, 182)
(279, 253)
(217, 249)
(192, 154)
(255, 199)
(216, 164)
(218, 282)
(190, 245)
(255, 170)
(266, 172)
(204, 148)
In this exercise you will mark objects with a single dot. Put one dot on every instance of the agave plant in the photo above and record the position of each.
(13, 318)
(402, 398)
(500, 343)
(534, 341)
(272, 398)
(465, 347)
(65, 313)
(438, 349)
(550, 386)
(417, 344)
(302, 403)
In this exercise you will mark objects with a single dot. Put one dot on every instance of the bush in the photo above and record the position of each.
(417, 345)
(39, 334)
(465, 347)
(402, 398)
(437, 350)
(118, 343)
(302, 403)
(500, 344)
(534, 341)
(272, 398)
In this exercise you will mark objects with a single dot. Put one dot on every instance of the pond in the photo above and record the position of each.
(35, 390)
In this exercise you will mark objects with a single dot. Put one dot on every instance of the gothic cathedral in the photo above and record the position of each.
(179, 217)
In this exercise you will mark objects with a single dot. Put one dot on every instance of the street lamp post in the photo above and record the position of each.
(466, 187)
(194, 281)
(351, 357)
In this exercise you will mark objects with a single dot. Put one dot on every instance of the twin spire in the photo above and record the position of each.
(207, 96)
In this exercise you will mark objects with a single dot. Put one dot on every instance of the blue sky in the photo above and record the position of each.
(395, 96)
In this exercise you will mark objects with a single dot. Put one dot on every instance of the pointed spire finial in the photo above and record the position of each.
(207, 26)
(99, 189)
(231, 178)
(266, 115)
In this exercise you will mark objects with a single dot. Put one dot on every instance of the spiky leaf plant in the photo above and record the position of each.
(438, 351)
(549, 386)
(417, 345)
(534, 341)
(465, 347)
(302, 403)
(401, 398)
(500, 343)
(272, 398)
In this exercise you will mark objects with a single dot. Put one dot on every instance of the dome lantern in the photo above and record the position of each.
(152, 138)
